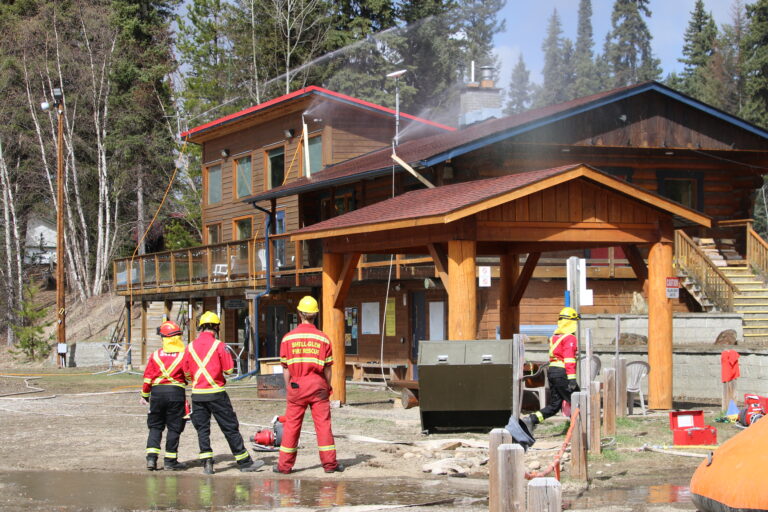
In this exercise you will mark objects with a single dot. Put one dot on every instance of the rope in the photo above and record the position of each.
(555, 464)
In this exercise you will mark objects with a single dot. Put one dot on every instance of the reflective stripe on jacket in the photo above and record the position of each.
(163, 369)
(563, 349)
(305, 350)
(206, 362)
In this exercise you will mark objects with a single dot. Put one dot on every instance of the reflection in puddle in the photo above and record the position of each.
(665, 493)
(33, 490)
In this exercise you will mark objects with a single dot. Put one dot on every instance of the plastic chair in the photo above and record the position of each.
(636, 371)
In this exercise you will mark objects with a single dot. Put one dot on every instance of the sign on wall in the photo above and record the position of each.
(673, 287)
(350, 330)
(370, 318)
(389, 322)
(484, 276)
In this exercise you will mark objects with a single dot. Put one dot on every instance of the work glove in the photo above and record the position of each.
(573, 386)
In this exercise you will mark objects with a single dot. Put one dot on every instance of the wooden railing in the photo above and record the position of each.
(714, 284)
(757, 252)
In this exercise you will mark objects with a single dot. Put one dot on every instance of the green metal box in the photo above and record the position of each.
(465, 385)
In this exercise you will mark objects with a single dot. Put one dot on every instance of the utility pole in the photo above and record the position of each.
(61, 312)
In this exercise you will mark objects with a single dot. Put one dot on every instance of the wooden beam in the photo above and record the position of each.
(345, 279)
(659, 325)
(440, 258)
(462, 291)
(524, 279)
(509, 314)
(636, 261)
(333, 322)
(512, 232)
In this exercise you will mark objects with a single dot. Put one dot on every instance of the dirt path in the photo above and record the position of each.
(95, 424)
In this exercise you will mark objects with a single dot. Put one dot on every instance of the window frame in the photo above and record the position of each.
(236, 197)
(663, 176)
(207, 183)
(268, 165)
(207, 233)
(316, 135)
(235, 230)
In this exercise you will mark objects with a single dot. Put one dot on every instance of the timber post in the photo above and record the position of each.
(594, 417)
(511, 475)
(660, 320)
(545, 495)
(462, 290)
(579, 437)
(192, 322)
(609, 401)
(144, 307)
(167, 309)
(621, 388)
(509, 314)
(498, 437)
(333, 322)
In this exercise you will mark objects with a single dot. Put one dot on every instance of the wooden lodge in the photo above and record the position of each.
(302, 195)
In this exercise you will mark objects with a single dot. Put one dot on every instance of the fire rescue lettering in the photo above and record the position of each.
(306, 347)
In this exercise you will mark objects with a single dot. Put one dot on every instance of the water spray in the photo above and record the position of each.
(305, 133)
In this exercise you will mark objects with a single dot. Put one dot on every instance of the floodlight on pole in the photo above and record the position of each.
(396, 75)
(61, 312)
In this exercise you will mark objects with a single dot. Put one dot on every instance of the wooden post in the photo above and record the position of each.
(660, 321)
(144, 307)
(128, 329)
(594, 417)
(579, 439)
(498, 437)
(729, 393)
(462, 290)
(511, 475)
(253, 335)
(544, 495)
(518, 354)
(333, 322)
(222, 312)
(192, 322)
(586, 382)
(167, 309)
(509, 315)
(621, 388)
(609, 401)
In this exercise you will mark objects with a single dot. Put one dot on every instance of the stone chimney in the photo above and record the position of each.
(480, 101)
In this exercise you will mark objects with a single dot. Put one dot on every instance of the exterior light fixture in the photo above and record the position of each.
(224, 153)
(289, 133)
(669, 153)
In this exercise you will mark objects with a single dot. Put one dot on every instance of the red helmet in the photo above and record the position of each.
(168, 329)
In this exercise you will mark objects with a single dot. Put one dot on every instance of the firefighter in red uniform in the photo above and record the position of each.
(305, 354)
(164, 385)
(206, 363)
(563, 348)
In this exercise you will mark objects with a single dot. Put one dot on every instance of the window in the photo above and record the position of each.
(681, 191)
(280, 254)
(315, 154)
(342, 202)
(213, 233)
(684, 187)
(243, 179)
(214, 184)
(275, 167)
(243, 228)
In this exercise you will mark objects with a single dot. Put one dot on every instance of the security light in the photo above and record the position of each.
(224, 153)
(397, 74)
(45, 106)
(289, 133)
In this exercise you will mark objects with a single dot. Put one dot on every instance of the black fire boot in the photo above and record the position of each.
(173, 465)
(251, 465)
(208, 466)
(338, 469)
(152, 462)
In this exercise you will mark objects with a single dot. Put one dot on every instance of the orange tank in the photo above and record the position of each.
(735, 477)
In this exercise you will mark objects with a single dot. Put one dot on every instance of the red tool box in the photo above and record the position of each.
(688, 428)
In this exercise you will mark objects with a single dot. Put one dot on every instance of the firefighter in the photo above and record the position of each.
(563, 348)
(164, 385)
(206, 363)
(306, 358)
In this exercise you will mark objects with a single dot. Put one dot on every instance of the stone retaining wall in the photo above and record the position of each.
(696, 373)
(688, 328)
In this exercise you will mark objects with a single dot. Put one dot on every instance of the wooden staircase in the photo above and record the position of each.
(751, 301)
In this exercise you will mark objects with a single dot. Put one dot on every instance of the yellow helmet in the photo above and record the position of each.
(209, 317)
(308, 304)
(569, 314)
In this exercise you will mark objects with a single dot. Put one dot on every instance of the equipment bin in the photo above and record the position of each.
(688, 428)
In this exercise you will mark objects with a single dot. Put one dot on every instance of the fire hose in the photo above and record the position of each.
(555, 464)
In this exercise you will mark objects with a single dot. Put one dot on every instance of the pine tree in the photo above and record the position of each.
(755, 55)
(585, 82)
(699, 46)
(519, 93)
(553, 87)
(629, 44)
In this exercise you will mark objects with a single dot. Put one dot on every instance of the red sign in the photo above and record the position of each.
(673, 282)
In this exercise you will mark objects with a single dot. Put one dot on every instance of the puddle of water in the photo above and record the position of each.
(62, 491)
(640, 495)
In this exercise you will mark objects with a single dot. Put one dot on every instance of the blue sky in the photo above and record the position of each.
(527, 23)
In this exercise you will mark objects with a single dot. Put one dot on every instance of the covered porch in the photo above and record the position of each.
(564, 208)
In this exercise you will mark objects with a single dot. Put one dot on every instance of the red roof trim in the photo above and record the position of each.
(301, 92)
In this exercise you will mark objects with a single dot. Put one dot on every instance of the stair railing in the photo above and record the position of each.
(714, 284)
(757, 251)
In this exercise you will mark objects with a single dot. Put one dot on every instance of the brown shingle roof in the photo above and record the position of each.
(434, 201)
